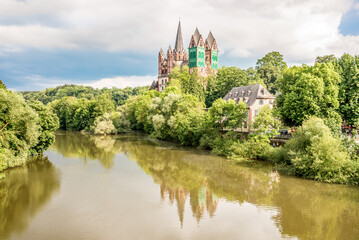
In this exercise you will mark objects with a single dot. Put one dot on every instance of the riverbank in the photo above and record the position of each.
(129, 180)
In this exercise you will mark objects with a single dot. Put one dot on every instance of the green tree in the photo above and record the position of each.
(48, 123)
(19, 129)
(348, 68)
(266, 121)
(326, 59)
(315, 153)
(226, 79)
(103, 125)
(309, 91)
(2, 85)
(270, 68)
(227, 115)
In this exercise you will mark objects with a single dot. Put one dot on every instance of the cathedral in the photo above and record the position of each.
(202, 57)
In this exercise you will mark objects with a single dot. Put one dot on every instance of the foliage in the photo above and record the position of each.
(226, 79)
(48, 123)
(103, 125)
(2, 85)
(23, 130)
(265, 121)
(348, 68)
(227, 115)
(119, 96)
(270, 69)
(315, 153)
(308, 91)
(326, 59)
(188, 83)
(80, 114)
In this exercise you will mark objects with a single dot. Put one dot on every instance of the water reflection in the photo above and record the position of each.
(86, 147)
(305, 209)
(201, 183)
(23, 192)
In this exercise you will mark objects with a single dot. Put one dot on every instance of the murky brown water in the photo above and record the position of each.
(127, 187)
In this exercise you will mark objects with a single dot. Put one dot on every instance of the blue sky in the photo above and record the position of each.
(115, 43)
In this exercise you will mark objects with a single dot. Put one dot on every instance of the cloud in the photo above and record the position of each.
(123, 81)
(37, 82)
(300, 30)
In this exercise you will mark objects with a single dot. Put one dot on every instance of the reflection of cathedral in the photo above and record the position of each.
(201, 199)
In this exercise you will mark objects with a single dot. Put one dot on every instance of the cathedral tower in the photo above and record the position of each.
(196, 51)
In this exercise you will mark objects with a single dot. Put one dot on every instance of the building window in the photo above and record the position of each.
(262, 91)
(261, 102)
(245, 124)
(256, 112)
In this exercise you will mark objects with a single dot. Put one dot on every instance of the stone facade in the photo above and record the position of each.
(203, 58)
(255, 96)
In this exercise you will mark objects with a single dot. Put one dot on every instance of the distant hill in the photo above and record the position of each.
(80, 91)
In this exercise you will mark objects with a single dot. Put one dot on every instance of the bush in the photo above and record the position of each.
(315, 153)
(103, 125)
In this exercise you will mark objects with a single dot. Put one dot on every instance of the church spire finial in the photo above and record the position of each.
(179, 40)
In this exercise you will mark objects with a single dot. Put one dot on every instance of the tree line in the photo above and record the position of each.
(315, 99)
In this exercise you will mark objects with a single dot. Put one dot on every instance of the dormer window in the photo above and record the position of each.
(249, 92)
(242, 93)
(236, 93)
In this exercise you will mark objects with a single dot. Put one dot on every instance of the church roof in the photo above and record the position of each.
(210, 39)
(161, 52)
(196, 36)
(179, 40)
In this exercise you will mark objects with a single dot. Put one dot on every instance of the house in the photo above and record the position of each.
(255, 96)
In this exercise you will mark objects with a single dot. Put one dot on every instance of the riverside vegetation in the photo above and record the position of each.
(315, 99)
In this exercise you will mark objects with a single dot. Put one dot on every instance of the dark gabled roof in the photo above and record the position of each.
(250, 93)
(210, 39)
(196, 36)
(179, 40)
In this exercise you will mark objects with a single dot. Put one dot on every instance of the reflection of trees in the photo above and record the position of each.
(201, 178)
(312, 210)
(306, 209)
(74, 144)
(23, 192)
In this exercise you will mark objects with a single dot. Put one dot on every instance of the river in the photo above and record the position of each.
(132, 187)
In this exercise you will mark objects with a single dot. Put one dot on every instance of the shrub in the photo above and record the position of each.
(315, 153)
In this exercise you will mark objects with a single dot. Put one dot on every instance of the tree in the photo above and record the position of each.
(265, 121)
(188, 83)
(348, 68)
(2, 85)
(103, 125)
(48, 123)
(326, 59)
(308, 91)
(227, 115)
(19, 129)
(270, 68)
(226, 79)
(315, 153)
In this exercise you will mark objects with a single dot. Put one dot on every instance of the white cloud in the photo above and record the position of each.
(123, 81)
(300, 30)
(37, 82)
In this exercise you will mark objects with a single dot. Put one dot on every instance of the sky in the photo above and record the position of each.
(106, 43)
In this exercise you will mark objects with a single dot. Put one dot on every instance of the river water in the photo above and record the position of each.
(132, 187)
